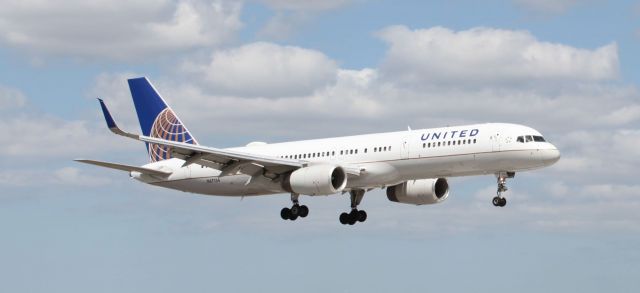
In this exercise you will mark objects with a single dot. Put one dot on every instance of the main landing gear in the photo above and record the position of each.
(295, 211)
(499, 200)
(355, 215)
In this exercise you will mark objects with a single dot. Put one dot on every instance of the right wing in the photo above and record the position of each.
(127, 168)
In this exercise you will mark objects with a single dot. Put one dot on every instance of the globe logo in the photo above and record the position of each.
(167, 126)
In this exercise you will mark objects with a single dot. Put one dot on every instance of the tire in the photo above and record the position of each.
(293, 217)
(496, 201)
(285, 213)
(304, 211)
(503, 202)
(362, 216)
(353, 217)
(344, 218)
(295, 210)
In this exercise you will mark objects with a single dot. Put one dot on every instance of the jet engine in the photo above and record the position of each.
(316, 180)
(419, 192)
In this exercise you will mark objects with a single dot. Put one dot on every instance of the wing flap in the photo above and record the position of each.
(123, 167)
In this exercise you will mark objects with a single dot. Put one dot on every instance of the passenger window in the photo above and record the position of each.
(385, 149)
(389, 148)
(365, 150)
(341, 152)
(474, 140)
(356, 151)
(438, 143)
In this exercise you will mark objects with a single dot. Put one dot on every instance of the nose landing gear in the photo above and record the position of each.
(295, 211)
(499, 200)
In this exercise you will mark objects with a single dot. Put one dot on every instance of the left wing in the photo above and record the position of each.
(227, 161)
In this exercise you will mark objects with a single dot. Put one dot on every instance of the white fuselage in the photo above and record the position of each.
(385, 158)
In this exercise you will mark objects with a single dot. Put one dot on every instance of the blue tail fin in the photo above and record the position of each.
(157, 119)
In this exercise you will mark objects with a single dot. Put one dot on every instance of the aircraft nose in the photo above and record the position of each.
(550, 156)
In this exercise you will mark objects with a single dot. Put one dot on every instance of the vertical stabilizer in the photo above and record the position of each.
(157, 119)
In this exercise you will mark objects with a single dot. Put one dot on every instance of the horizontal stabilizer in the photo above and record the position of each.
(127, 168)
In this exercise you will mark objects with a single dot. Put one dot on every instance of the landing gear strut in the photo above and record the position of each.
(355, 215)
(295, 211)
(499, 200)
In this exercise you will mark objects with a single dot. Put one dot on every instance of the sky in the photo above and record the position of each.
(280, 70)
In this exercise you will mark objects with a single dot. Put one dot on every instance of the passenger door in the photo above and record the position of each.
(496, 142)
(404, 149)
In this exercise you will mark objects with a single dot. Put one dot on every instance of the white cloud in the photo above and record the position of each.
(481, 56)
(33, 137)
(624, 115)
(74, 176)
(11, 98)
(65, 176)
(284, 24)
(291, 15)
(265, 70)
(132, 29)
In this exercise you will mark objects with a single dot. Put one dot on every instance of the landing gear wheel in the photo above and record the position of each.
(295, 210)
(362, 216)
(285, 213)
(496, 201)
(499, 200)
(344, 218)
(304, 211)
(353, 217)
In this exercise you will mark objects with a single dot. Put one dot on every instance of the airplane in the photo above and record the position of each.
(412, 165)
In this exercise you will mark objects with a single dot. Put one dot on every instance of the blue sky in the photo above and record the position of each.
(275, 70)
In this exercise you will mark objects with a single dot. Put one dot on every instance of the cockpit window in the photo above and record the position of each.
(530, 138)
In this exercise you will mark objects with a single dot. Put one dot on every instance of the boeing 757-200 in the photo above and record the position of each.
(411, 165)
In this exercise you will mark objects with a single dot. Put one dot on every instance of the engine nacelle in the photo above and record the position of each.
(316, 180)
(419, 192)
